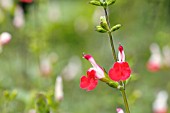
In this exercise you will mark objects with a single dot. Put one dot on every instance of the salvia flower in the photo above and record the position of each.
(90, 81)
(119, 110)
(120, 70)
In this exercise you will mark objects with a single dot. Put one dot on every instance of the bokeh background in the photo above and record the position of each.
(49, 38)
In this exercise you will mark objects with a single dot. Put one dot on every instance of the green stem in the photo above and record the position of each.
(125, 100)
(110, 35)
(115, 58)
(112, 46)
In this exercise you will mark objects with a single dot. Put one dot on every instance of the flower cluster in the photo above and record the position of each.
(119, 72)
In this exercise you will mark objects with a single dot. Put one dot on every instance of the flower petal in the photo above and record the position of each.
(120, 71)
(126, 71)
(115, 72)
(99, 71)
(84, 82)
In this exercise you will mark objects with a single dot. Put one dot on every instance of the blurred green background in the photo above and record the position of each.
(65, 29)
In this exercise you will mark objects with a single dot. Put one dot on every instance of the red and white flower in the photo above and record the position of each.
(90, 81)
(120, 70)
(99, 71)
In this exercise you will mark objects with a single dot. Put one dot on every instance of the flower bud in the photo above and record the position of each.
(100, 29)
(116, 27)
(103, 23)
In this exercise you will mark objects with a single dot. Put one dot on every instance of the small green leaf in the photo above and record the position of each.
(116, 27)
(100, 29)
(95, 2)
(110, 2)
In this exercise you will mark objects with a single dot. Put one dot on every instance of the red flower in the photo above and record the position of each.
(120, 70)
(26, 1)
(90, 81)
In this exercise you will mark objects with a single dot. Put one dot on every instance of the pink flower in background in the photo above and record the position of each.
(90, 81)
(119, 110)
(19, 19)
(26, 1)
(59, 94)
(160, 105)
(154, 62)
(72, 69)
(5, 38)
(120, 70)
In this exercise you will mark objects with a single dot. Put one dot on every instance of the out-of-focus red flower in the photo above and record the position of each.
(120, 70)
(153, 67)
(90, 81)
(26, 1)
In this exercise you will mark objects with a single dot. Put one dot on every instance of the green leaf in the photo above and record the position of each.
(110, 2)
(116, 27)
(100, 29)
(95, 2)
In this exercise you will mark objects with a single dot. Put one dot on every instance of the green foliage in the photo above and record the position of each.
(41, 104)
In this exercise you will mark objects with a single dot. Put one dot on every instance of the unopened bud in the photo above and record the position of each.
(116, 27)
(103, 23)
(100, 29)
